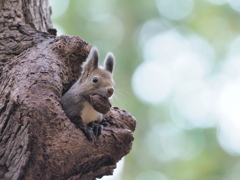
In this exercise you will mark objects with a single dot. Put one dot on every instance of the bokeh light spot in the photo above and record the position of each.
(229, 130)
(152, 28)
(150, 82)
(234, 47)
(218, 2)
(235, 4)
(193, 104)
(175, 9)
(161, 46)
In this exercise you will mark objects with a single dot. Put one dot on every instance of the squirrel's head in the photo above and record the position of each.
(95, 79)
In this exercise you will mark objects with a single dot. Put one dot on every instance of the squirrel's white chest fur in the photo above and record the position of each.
(89, 114)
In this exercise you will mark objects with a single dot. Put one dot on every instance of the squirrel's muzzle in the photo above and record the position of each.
(110, 92)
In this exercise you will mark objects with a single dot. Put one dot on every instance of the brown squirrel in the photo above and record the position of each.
(94, 80)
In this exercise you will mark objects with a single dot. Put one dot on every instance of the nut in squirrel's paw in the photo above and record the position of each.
(100, 103)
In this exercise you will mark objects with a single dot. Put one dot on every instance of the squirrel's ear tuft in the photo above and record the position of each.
(91, 63)
(109, 62)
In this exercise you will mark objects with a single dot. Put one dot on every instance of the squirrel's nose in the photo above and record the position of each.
(110, 92)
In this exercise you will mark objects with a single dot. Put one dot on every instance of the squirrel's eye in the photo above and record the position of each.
(95, 79)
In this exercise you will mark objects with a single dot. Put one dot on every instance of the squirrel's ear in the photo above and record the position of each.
(109, 62)
(91, 63)
(92, 59)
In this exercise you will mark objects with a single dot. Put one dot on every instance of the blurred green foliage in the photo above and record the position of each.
(161, 149)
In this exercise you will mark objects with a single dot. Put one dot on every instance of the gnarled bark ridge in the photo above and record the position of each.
(37, 140)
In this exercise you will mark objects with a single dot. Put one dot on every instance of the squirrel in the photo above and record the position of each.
(94, 80)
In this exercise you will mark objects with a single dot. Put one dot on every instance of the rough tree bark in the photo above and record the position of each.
(37, 140)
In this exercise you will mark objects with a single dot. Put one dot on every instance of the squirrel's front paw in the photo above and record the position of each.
(88, 132)
(96, 128)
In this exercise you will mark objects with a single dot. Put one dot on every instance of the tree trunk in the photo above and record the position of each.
(37, 140)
